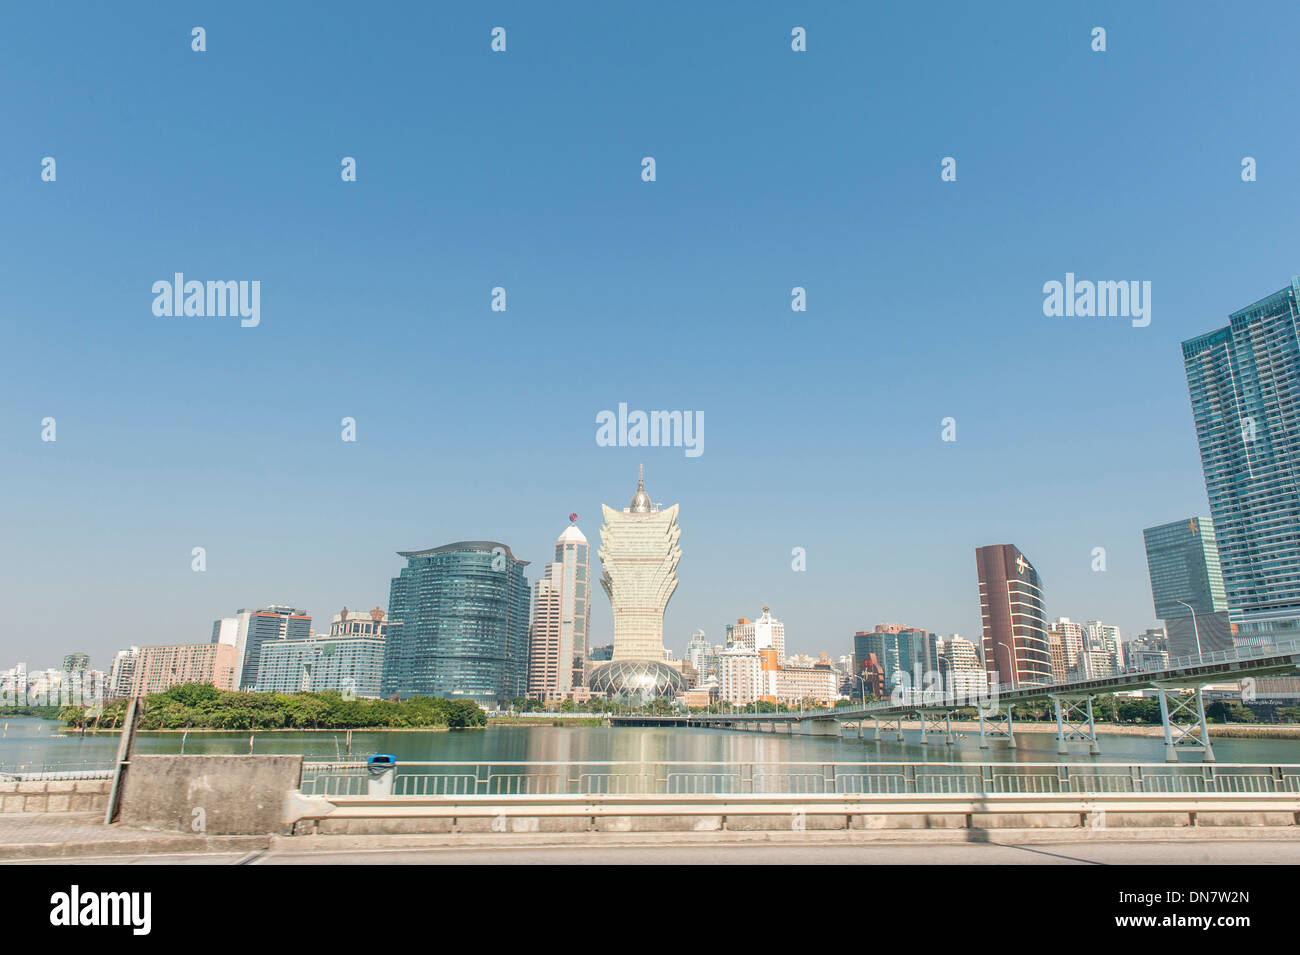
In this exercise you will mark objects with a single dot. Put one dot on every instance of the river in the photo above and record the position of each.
(30, 745)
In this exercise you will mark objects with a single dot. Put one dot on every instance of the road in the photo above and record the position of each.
(1066, 853)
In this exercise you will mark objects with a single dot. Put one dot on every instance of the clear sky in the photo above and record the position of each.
(522, 169)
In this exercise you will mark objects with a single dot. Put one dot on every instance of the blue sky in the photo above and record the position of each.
(775, 169)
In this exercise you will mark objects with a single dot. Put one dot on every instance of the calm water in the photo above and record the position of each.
(32, 745)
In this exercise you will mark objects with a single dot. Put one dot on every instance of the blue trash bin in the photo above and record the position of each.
(381, 767)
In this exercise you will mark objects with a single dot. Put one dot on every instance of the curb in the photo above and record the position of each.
(162, 845)
(1007, 837)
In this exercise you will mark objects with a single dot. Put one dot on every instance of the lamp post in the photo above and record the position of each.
(1195, 629)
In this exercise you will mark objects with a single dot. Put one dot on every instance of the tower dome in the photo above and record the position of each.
(641, 503)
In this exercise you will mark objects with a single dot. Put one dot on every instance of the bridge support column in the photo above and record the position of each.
(992, 723)
(1184, 721)
(936, 722)
(1074, 721)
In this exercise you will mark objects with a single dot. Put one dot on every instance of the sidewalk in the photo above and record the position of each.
(44, 835)
(73, 835)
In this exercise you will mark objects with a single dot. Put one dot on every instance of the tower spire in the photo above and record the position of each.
(640, 500)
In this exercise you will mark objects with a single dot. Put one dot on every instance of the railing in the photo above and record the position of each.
(36, 769)
(800, 778)
(918, 696)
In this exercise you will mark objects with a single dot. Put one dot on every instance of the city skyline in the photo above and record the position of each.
(376, 304)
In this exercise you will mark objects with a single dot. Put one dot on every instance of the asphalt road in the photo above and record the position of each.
(1075, 853)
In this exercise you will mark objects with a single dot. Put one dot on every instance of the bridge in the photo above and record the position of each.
(1179, 687)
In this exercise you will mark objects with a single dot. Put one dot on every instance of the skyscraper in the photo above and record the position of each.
(458, 624)
(1014, 618)
(561, 623)
(1244, 382)
(906, 655)
(639, 553)
(249, 629)
(1187, 585)
(350, 659)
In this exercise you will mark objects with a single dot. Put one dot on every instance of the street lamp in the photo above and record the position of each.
(1195, 629)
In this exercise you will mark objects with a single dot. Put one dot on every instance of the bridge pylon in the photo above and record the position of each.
(994, 723)
(1184, 720)
(894, 721)
(1074, 721)
(936, 721)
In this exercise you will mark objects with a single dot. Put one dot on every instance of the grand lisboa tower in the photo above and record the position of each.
(639, 552)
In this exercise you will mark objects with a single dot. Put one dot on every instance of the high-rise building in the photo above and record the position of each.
(765, 633)
(960, 666)
(353, 666)
(1014, 617)
(1187, 585)
(817, 682)
(1244, 383)
(905, 654)
(561, 624)
(1105, 639)
(158, 668)
(1056, 650)
(639, 553)
(121, 677)
(249, 629)
(741, 678)
(76, 662)
(349, 660)
(458, 624)
(702, 657)
(1073, 640)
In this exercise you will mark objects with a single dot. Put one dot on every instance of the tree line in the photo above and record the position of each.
(203, 706)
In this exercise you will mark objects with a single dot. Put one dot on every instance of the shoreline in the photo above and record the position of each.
(117, 730)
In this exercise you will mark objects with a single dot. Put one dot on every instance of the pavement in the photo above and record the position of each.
(82, 838)
(67, 835)
(1069, 853)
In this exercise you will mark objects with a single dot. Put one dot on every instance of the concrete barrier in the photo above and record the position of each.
(213, 795)
(54, 795)
(363, 815)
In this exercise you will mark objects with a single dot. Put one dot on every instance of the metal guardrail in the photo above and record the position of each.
(23, 776)
(800, 778)
(24, 770)
(933, 697)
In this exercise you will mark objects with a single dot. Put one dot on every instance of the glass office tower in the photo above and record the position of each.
(458, 624)
(1244, 381)
(1187, 586)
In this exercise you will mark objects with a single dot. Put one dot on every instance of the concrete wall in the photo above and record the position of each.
(521, 821)
(55, 795)
(214, 795)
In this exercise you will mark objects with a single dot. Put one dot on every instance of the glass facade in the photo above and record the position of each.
(351, 665)
(458, 625)
(1244, 382)
(1183, 562)
(909, 654)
